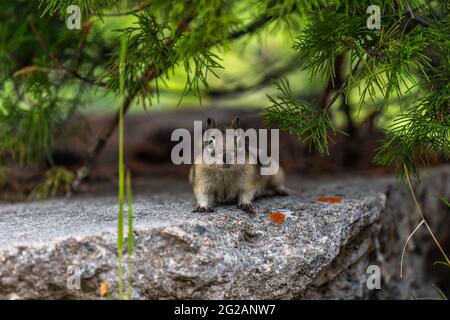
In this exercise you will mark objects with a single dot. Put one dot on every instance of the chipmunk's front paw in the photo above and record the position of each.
(247, 207)
(203, 209)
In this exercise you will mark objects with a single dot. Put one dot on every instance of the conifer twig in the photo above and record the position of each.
(84, 171)
(341, 88)
(125, 13)
(264, 81)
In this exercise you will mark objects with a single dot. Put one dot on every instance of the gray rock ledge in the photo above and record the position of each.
(321, 251)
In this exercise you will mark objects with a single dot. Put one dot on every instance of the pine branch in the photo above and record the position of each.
(107, 131)
(342, 88)
(44, 45)
(252, 27)
(85, 170)
(85, 79)
(126, 13)
(264, 81)
(62, 70)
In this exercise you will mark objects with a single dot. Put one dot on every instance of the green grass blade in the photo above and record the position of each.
(130, 233)
(123, 44)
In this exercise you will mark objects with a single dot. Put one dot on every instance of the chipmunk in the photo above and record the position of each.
(222, 182)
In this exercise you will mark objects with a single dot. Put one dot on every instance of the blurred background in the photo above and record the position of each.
(53, 112)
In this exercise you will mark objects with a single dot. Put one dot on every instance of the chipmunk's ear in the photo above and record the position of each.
(235, 123)
(211, 123)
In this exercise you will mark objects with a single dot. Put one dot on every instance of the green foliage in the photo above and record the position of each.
(298, 117)
(58, 181)
(40, 60)
(446, 202)
(5, 173)
(406, 54)
(323, 39)
(422, 128)
(141, 53)
(35, 103)
(170, 48)
(87, 7)
(28, 131)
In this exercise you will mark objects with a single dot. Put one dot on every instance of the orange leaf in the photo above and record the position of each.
(277, 217)
(104, 287)
(329, 199)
